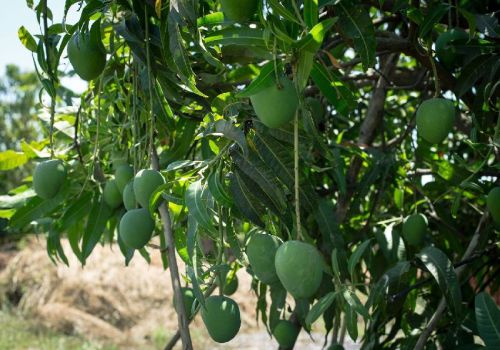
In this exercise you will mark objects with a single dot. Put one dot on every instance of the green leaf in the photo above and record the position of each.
(356, 24)
(76, 211)
(210, 20)
(263, 177)
(474, 71)
(196, 199)
(11, 159)
(356, 256)
(333, 89)
(231, 132)
(27, 39)
(96, 223)
(313, 40)
(16, 200)
(236, 36)
(351, 321)
(488, 320)
(282, 11)
(198, 294)
(306, 61)
(36, 208)
(216, 187)
(352, 299)
(266, 78)
(392, 276)
(245, 201)
(443, 272)
(434, 15)
(311, 12)
(327, 223)
(319, 308)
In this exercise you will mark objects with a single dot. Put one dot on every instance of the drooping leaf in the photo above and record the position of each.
(319, 308)
(11, 159)
(443, 272)
(236, 36)
(196, 199)
(474, 71)
(435, 13)
(313, 40)
(488, 320)
(355, 22)
(266, 78)
(231, 132)
(356, 256)
(96, 223)
(244, 200)
(27, 39)
(35, 208)
(311, 12)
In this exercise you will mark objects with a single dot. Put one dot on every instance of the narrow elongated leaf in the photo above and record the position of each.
(443, 272)
(313, 40)
(34, 209)
(311, 12)
(488, 320)
(231, 132)
(327, 223)
(334, 90)
(76, 211)
(393, 276)
(217, 189)
(96, 223)
(16, 200)
(356, 256)
(356, 24)
(244, 200)
(27, 39)
(210, 20)
(236, 36)
(351, 321)
(319, 308)
(11, 159)
(192, 232)
(262, 176)
(306, 61)
(196, 199)
(282, 11)
(266, 78)
(258, 193)
(352, 299)
(277, 157)
(474, 71)
(435, 13)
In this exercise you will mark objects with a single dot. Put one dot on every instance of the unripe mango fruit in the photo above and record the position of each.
(146, 182)
(261, 251)
(414, 229)
(48, 178)
(188, 300)
(493, 204)
(276, 106)
(86, 55)
(123, 174)
(435, 118)
(111, 194)
(231, 286)
(446, 50)
(136, 228)
(285, 333)
(221, 316)
(239, 10)
(129, 196)
(299, 267)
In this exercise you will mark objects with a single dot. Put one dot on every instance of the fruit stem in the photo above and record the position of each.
(221, 252)
(150, 87)
(50, 74)
(434, 70)
(296, 172)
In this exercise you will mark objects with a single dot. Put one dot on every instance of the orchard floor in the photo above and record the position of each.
(107, 306)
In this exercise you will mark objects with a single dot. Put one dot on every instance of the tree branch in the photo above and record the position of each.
(174, 269)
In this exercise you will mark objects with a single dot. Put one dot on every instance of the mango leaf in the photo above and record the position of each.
(36, 208)
(443, 272)
(282, 11)
(311, 12)
(351, 321)
(244, 200)
(27, 39)
(76, 211)
(313, 40)
(352, 299)
(327, 223)
(96, 223)
(334, 90)
(474, 71)
(433, 16)
(192, 231)
(262, 176)
(196, 285)
(210, 20)
(391, 276)
(11, 159)
(266, 78)
(216, 187)
(54, 247)
(196, 199)
(488, 320)
(306, 61)
(355, 22)
(231, 132)
(16, 200)
(319, 308)
(236, 36)
(356, 256)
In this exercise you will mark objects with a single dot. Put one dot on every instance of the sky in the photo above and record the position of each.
(14, 14)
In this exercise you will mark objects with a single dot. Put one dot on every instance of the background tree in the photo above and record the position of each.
(362, 136)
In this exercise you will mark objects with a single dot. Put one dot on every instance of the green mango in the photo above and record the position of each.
(239, 10)
(188, 299)
(435, 118)
(48, 178)
(299, 267)
(493, 204)
(285, 333)
(111, 194)
(146, 182)
(414, 229)
(261, 250)
(123, 174)
(129, 196)
(136, 228)
(87, 56)
(221, 316)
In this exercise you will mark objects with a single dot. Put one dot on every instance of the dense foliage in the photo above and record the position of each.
(297, 118)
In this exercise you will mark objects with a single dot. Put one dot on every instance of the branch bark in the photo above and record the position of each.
(368, 129)
(182, 319)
